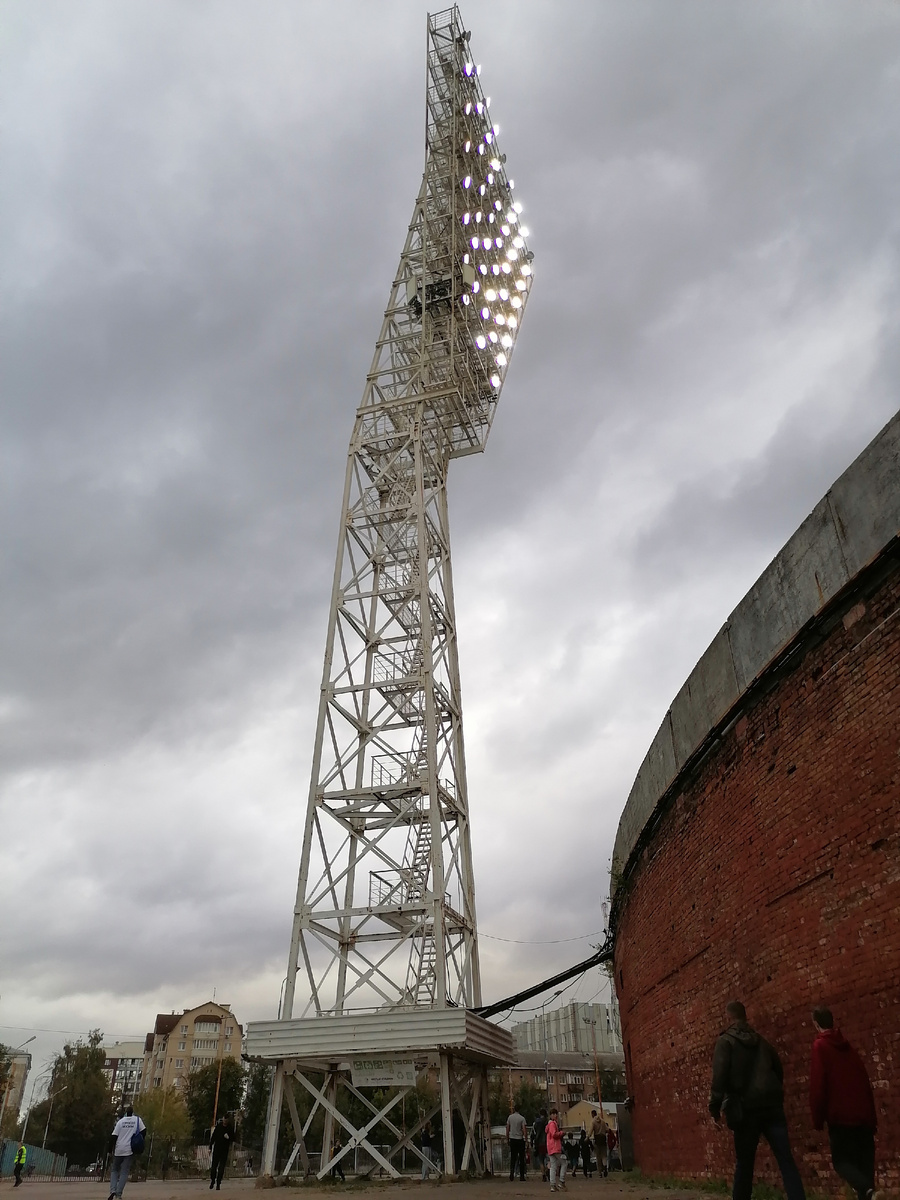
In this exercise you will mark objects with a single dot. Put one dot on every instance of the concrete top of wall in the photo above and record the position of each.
(846, 530)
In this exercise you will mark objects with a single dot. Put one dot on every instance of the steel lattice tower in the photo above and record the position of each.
(384, 920)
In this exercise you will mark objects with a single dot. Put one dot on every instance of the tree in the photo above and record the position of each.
(528, 1100)
(82, 1113)
(256, 1103)
(10, 1116)
(200, 1094)
(166, 1116)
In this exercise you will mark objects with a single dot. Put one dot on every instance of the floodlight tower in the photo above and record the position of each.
(384, 955)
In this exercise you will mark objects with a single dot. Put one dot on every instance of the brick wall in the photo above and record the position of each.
(774, 877)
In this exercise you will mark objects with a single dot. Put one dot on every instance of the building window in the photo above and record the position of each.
(179, 1062)
(229, 1030)
(206, 1027)
(184, 1029)
(228, 1047)
(157, 1082)
(181, 1046)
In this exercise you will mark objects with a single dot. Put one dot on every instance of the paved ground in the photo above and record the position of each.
(617, 1187)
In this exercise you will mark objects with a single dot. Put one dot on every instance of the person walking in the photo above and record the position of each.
(426, 1142)
(748, 1087)
(584, 1143)
(612, 1143)
(219, 1143)
(19, 1163)
(840, 1095)
(515, 1135)
(555, 1153)
(128, 1126)
(599, 1129)
(539, 1144)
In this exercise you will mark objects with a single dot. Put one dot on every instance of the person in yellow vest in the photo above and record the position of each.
(21, 1155)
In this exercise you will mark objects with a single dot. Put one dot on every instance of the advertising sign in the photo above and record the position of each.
(383, 1072)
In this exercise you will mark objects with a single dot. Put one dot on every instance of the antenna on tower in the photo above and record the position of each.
(383, 970)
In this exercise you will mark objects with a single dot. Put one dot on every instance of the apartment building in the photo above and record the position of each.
(183, 1042)
(11, 1095)
(566, 1078)
(572, 1028)
(124, 1068)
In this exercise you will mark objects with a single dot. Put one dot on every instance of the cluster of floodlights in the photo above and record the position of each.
(497, 263)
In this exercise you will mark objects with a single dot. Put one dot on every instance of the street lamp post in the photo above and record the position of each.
(593, 1024)
(53, 1096)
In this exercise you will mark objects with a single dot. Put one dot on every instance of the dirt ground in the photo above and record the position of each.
(616, 1187)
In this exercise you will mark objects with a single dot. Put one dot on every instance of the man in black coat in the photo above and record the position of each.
(747, 1086)
(219, 1144)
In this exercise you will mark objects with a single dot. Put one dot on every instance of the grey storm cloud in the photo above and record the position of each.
(202, 211)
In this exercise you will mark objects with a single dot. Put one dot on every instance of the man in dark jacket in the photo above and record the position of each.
(841, 1095)
(747, 1086)
(219, 1144)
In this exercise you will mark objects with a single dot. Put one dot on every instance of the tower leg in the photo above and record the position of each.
(273, 1120)
(447, 1116)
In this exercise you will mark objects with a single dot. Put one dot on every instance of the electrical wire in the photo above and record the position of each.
(552, 941)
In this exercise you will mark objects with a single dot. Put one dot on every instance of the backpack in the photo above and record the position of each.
(137, 1138)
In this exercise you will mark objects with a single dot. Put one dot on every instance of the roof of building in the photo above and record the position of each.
(850, 526)
(565, 1060)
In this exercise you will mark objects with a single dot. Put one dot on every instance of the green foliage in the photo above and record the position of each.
(528, 1100)
(612, 1086)
(256, 1103)
(82, 1114)
(200, 1094)
(166, 1116)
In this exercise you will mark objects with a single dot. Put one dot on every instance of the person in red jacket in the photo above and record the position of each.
(841, 1096)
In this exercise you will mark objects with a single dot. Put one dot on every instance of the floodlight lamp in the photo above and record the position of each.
(478, 216)
(506, 340)
(495, 269)
(516, 302)
(512, 254)
(479, 107)
(504, 294)
(476, 286)
(520, 285)
(481, 341)
(465, 258)
(518, 242)
(498, 205)
(511, 183)
(485, 313)
(467, 181)
(499, 319)
(495, 163)
(483, 269)
(474, 243)
(466, 218)
(482, 190)
(487, 101)
(478, 69)
(465, 298)
(495, 381)
(505, 229)
(469, 68)
(524, 231)
(513, 322)
(517, 206)
(490, 294)
(501, 360)
(467, 147)
(468, 107)
(488, 137)
(490, 177)
(505, 267)
(492, 337)
(526, 270)
(481, 149)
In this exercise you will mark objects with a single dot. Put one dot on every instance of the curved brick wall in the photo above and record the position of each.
(765, 864)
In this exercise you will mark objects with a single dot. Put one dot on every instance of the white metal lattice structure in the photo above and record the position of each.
(384, 919)
(385, 911)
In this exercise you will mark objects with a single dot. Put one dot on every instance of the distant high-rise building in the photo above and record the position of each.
(184, 1042)
(572, 1028)
(124, 1068)
(11, 1096)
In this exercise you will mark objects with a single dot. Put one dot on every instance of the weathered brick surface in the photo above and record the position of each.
(774, 877)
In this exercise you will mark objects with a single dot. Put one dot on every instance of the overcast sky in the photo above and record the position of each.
(202, 209)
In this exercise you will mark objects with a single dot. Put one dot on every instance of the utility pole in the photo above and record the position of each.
(50, 1114)
(593, 1024)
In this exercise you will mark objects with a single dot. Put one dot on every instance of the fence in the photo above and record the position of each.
(43, 1163)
